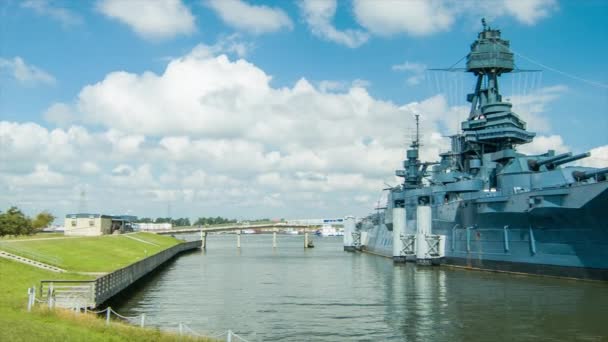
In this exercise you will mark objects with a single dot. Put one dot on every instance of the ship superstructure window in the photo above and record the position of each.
(73, 223)
(91, 223)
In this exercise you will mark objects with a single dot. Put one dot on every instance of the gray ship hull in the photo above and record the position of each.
(569, 240)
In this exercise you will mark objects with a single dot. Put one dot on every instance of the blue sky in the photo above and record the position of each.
(84, 101)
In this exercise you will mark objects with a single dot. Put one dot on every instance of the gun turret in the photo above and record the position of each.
(535, 164)
(582, 175)
(571, 159)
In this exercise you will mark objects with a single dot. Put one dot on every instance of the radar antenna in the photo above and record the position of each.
(416, 142)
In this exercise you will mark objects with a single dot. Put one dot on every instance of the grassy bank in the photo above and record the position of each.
(90, 254)
(75, 254)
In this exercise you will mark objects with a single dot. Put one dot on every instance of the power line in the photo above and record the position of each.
(591, 82)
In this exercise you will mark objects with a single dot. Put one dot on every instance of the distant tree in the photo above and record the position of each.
(145, 220)
(180, 222)
(162, 220)
(203, 221)
(14, 222)
(42, 220)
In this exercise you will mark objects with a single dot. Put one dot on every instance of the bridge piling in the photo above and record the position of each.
(305, 239)
(203, 239)
(274, 238)
(238, 239)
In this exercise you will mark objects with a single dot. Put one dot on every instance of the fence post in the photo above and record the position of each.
(143, 320)
(108, 313)
(50, 296)
(29, 299)
(229, 336)
(181, 329)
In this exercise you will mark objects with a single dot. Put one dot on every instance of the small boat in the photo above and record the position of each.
(310, 244)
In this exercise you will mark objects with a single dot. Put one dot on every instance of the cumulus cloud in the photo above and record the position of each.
(231, 44)
(598, 158)
(256, 19)
(59, 114)
(543, 143)
(24, 73)
(40, 177)
(46, 8)
(416, 71)
(531, 105)
(422, 17)
(414, 17)
(158, 19)
(211, 133)
(530, 11)
(319, 14)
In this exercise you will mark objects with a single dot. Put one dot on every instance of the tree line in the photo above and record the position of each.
(201, 221)
(15, 222)
(182, 221)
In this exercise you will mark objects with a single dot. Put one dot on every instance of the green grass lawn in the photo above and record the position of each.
(33, 236)
(75, 254)
(16, 324)
(91, 254)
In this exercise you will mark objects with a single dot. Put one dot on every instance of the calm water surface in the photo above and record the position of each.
(326, 294)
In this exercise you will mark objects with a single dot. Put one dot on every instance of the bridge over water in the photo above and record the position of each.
(238, 228)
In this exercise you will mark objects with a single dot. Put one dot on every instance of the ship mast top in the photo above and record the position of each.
(491, 125)
(416, 143)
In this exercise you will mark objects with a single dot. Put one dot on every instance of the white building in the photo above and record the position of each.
(96, 224)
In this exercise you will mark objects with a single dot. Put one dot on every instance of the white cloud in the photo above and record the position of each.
(531, 105)
(415, 69)
(530, 11)
(46, 8)
(124, 145)
(59, 114)
(232, 44)
(415, 17)
(542, 144)
(250, 18)
(212, 134)
(41, 177)
(422, 17)
(24, 73)
(598, 158)
(318, 14)
(89, 168)
(159, 19)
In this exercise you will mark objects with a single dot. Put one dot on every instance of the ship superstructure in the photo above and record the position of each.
(485, 205)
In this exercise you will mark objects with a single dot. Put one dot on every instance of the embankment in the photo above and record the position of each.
(83, 258)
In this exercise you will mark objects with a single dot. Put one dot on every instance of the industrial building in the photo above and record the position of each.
(97, 224)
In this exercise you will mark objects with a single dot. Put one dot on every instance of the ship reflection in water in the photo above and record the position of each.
(324, 294)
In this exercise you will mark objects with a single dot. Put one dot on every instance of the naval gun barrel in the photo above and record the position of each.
(534, 164)
(570, 159)
(582, 175)
(553, 159)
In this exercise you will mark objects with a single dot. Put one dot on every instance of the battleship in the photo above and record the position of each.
(484, 205)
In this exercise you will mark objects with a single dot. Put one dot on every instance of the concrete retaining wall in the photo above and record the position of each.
(112, 283)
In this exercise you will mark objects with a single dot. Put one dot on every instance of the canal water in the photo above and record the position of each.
(325, 294)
